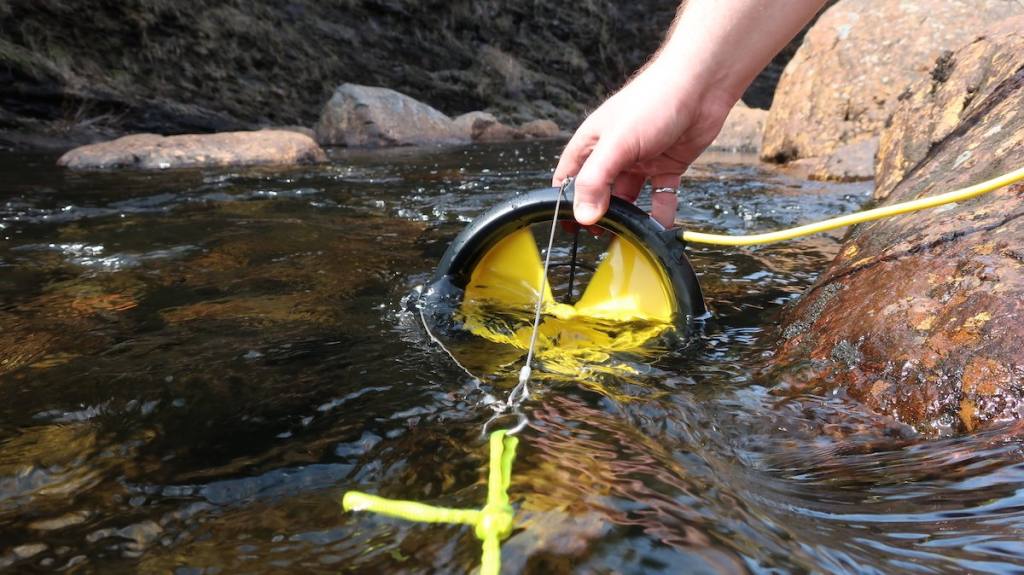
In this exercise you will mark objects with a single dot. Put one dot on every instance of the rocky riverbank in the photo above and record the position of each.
(81, 71)
(85, 70)
(919, 317)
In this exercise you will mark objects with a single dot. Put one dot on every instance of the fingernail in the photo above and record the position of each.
(587, 213)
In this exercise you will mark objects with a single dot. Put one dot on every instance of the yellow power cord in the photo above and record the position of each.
(858, 217)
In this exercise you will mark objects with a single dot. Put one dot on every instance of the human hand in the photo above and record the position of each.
(656, 126)
(652, 129)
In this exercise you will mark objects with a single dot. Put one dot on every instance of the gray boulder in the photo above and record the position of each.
(367, 116)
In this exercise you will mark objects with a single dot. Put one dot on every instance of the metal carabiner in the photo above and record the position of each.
(521, 422)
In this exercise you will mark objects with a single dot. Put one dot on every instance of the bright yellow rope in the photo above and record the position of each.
(859, 217)
(492, 524)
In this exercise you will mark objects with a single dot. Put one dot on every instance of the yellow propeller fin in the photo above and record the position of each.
(510, 274)
(627, 286)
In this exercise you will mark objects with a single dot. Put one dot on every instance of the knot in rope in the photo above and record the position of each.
(492, 524)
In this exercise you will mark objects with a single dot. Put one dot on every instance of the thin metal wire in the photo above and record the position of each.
(522, 391)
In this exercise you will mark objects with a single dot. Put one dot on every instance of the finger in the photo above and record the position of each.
(627, 186)
(611, 156)
(664, 201)
(574, 154)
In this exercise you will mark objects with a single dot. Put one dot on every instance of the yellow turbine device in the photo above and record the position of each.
(639, 285)
(643, 285)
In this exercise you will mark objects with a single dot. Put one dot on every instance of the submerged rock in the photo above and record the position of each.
(856, 64)
(371, 116)
(919, 316)
(154, 152)
(742, 131)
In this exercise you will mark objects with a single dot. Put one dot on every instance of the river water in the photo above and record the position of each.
(195, 365)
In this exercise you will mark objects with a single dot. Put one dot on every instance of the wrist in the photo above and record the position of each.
(721, 45)
(701, 70)
(695, 83)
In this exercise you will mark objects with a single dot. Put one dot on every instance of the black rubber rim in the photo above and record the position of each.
(622, 218)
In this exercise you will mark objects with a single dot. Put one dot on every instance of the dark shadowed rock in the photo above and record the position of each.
(858, 61)
(920, 314)
(153, 152)
(194, 66)
(742, 130)
(371, 116)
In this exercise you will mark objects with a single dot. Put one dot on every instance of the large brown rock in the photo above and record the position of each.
(153, 152)
(919, 316)
(957, 89)
(370, 116)
(857, 62)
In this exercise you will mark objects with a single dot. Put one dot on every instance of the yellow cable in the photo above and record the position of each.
(858, 217)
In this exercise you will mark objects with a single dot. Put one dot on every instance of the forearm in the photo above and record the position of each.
(661, 121)
(723, 44)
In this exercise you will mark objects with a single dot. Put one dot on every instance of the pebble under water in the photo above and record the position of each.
(196, 364)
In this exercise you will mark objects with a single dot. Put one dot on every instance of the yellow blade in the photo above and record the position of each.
(510, 274)
(627, 286)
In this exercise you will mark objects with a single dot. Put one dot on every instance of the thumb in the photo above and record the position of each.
(611, 156)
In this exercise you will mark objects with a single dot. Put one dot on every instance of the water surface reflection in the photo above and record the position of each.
(196, 364)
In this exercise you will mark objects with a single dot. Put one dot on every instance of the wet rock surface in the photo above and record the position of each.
(919, 315)
(154, 152)
(856, 64)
